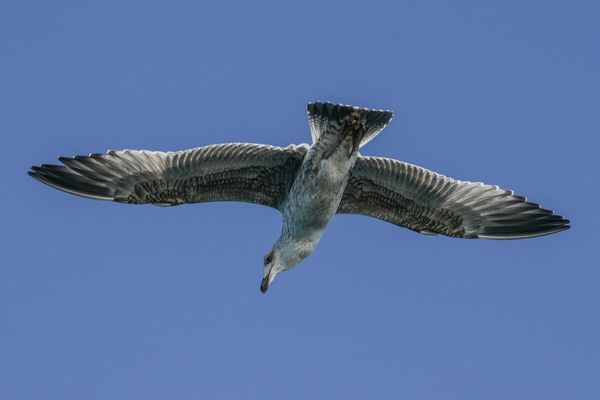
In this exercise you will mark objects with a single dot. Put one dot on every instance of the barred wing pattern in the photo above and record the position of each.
(246, 172)
(426, 202)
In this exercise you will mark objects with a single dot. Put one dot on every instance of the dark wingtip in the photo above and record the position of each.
(530, 233)
(64, 179)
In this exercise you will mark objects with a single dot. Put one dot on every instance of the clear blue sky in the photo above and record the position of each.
(106, 301)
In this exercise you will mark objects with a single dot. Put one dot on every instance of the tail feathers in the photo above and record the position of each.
(323, 115)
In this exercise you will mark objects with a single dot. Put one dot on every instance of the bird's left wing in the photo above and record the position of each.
(430, 203)
(245, 172)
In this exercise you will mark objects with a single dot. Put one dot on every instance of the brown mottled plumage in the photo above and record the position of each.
(308, 184)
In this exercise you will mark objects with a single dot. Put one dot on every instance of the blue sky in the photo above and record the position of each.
(101, 300)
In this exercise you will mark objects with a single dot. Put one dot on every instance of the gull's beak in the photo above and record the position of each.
(264, 285)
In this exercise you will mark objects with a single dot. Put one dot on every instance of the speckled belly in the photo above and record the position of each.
(316, 194)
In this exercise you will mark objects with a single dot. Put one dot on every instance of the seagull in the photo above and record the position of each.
(308, 184)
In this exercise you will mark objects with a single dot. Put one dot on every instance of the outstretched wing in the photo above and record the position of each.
(246, 172)
(424, 201)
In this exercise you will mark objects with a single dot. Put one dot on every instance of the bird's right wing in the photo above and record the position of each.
(246, 172)
(424, 201)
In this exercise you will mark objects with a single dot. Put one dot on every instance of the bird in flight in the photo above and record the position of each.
(308, 184)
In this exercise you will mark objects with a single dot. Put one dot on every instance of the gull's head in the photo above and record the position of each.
(273, 265)
(284, 255)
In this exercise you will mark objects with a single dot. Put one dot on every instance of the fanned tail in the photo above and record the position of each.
(322, 116)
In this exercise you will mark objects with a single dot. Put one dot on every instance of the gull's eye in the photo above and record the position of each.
(269, 258)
